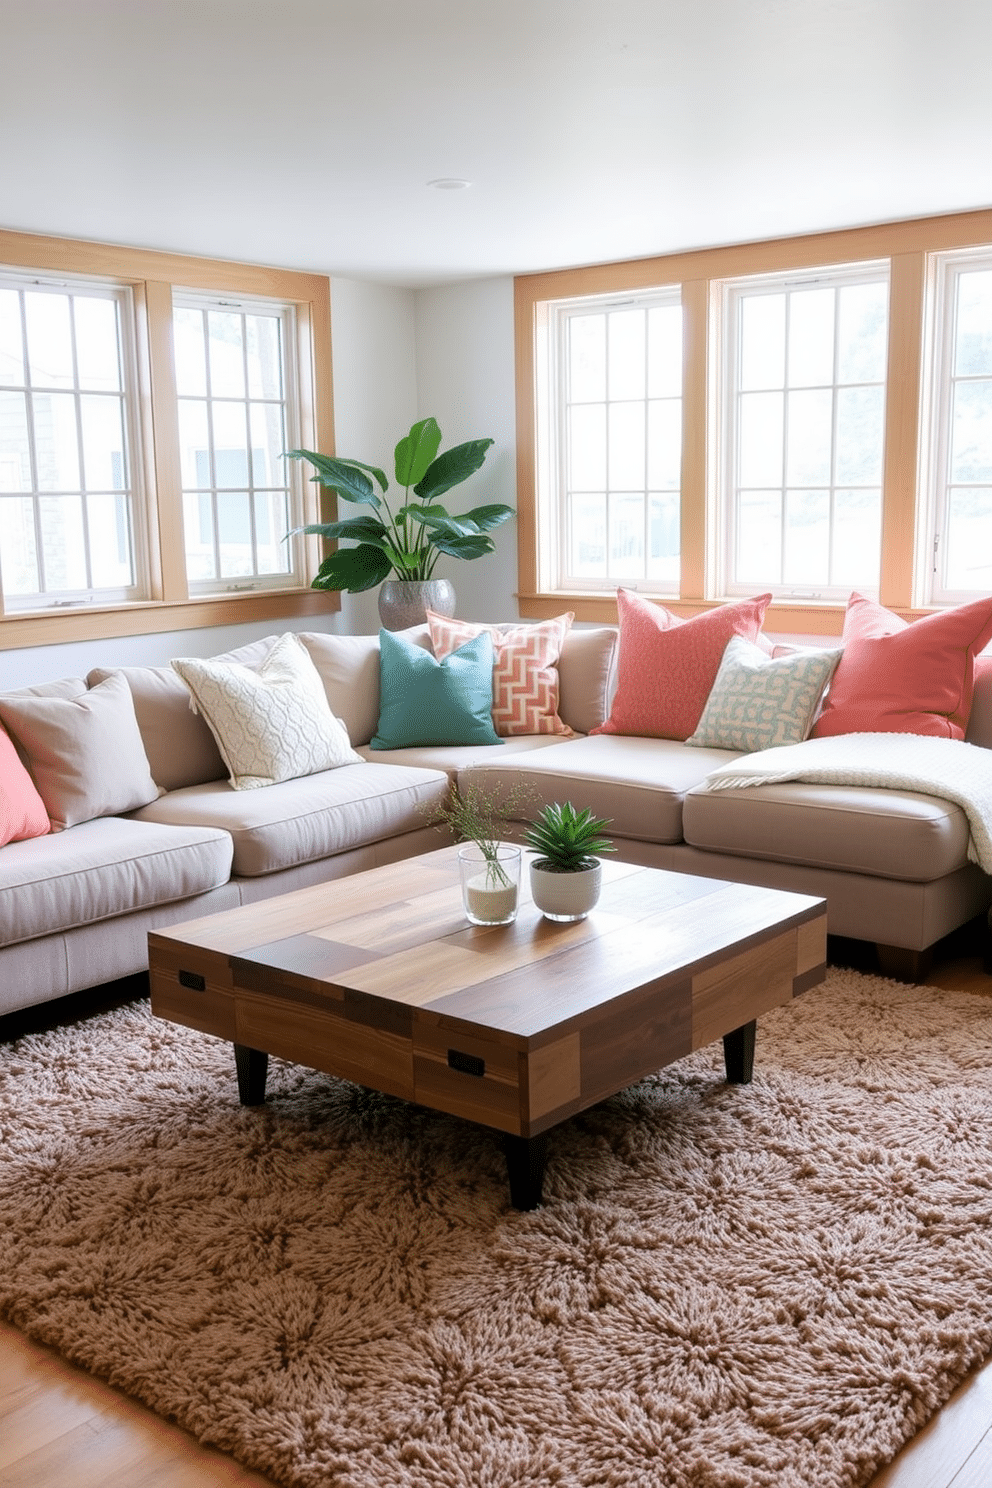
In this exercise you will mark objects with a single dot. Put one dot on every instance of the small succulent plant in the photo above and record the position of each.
(567, 840)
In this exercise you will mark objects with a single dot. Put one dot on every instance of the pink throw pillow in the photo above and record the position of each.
(896, 677)
(22, 811)
(666, 666)
(525, 674)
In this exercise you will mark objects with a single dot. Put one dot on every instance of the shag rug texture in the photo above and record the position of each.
(727, 1287)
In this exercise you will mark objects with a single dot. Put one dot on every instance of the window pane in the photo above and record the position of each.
(110, 541)
(586, 358)
(759, 537)
(97, 348)
(104, 460)
(11, 349)
(762, 341)
(862, 332)
(857, 538)
(234, 534)
(15, 452)
(626, 352)
(760, 462)
(665, 445)
(587, 536)
(56, 442)
(190, 352)
(810, 437)
(49, 339)
(811, 338)
(264, 356)
(587, 448)
(627, 536)
(860, 425)
(271, 526)
(664, 536)
(18, 551)
(226, 353)
(665, 351)
(626, 463)
(63, 542)
(268, 442)
(198, 529)
(968, 559)
(973, 349)
(971, 432)
(194, 444)
(230, 444)
(807, 537)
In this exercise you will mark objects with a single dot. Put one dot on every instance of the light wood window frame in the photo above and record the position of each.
(909, 247)
(151, 275)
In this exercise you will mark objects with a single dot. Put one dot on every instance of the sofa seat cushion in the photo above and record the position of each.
(857, 829)
(315, 816)
(454, 757)
(101, 868)
(637, 784)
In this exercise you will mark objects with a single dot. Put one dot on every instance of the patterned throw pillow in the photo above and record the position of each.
(525, 674)
(271, 724)
(759, 701)
(666, 666)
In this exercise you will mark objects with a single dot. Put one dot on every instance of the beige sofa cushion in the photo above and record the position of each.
(103, 868)
(454, 757)
(300, 821)
(349, 669)
(637, 784)
(84, 751)
(586, 677)
(181, 749)
(887, 833)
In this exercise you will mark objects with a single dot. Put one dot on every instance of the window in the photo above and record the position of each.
(72, 529)
(958, 545)
(613, 432)
(237, 416)
(146, 402)
(805, 368)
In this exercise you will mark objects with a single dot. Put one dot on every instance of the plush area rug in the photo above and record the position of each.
(768, 1286)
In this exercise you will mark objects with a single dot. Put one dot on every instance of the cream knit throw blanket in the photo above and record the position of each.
(948, 768)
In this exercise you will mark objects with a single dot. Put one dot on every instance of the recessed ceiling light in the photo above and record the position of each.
(449, 183)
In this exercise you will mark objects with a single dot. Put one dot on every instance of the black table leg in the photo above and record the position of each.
(253, 1067)
(738, 1053)
(525, 1160)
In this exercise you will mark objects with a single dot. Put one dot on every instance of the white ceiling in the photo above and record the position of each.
(303, 132)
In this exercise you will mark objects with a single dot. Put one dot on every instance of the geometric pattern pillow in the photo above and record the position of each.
(22, 811)
(525, 672)
(759, 702)
(666, 666)
(271, 724)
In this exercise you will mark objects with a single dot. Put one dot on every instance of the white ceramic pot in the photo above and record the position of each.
(405, 602)
(565, 896)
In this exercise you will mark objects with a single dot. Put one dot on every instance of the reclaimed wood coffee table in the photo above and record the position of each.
(378, 978)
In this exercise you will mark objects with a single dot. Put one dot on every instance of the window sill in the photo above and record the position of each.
(89, 623)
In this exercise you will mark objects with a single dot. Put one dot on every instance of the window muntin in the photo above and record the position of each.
(959, 542)
(237, 417)
(805, 374)
(71, 526)
(613, 428)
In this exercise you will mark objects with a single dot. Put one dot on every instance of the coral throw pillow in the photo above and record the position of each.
(666, 666)
(896, 677)
(22, 811)
(525, 672)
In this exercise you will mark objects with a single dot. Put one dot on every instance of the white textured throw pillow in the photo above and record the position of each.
(271, 724)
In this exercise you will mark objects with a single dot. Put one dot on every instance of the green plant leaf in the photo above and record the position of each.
(463, 547)
(345, 477)
(451, 468)
(416, 450)
(358, 529)
(428, 515)
(485, 518)
(353, 569)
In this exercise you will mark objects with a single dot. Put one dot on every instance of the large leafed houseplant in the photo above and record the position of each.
(405, 542)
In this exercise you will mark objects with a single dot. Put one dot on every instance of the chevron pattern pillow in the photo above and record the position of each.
(271, 724)
(525, 673)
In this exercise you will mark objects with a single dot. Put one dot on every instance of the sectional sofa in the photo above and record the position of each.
(76, 905)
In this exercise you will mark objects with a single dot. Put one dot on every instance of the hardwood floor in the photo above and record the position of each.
(61, 1428)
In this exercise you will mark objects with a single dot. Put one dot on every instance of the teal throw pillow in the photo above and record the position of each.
(759, 701)
(423, 701)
